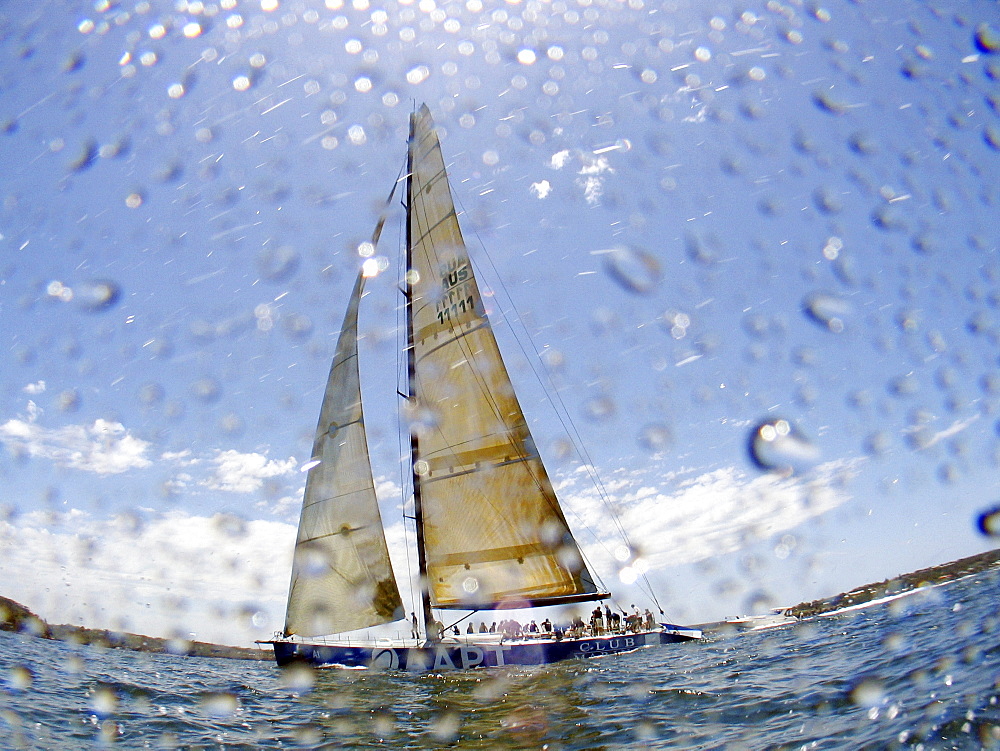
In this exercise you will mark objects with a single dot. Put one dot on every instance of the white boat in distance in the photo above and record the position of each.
(490, 533)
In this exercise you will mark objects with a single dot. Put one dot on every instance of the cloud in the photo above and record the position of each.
(225, 578)
(591, 167)
(698, 117)
(593, 188)
(221, 577)
(183, 458)
(35, 388)
(236, 472)
(594, 165)
(541, 189)
(179, 483)
(712, 514)
(559, 159)
(103, 447)
(108, 448)
(286, 507)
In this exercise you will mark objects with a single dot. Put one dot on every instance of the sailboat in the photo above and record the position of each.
(490, 533)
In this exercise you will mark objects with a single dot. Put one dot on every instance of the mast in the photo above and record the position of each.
(411, 378)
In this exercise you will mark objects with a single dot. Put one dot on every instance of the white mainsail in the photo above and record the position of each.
(492, 528)
(341, 576)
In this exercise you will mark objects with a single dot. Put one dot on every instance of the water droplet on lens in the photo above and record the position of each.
(421, 418)
(170, 172)
(308, 736)
(116, 148)
(151, 393)
(445, 727)
(278, 264)
(19, 678)
(231, 424)
(770, 206)
(219, 705)
(889, 219)
(877, 443)
(231, 525)
(179, 646)
(206, 389)
(130, 523)
(896, 643)
(991, 135)
(97, 295)
(383, 724)
(732, 165)
(562, 449)
(103, 702)
(903, 386)
(827, 310)
(704, 251)
(655, 437)
(85, 158)
(599, 408)
(312, 561)
(987, 39)
(827, 201)
(868, 693)
(526, 719)
(69, 400)
(776, 445)
(758, 603)
(862, 144)
(644, 732)
(633, 269)
(826, 102)
(554, 359)
(298, 677)
(75, 60)
(988, 522)
(297, 325)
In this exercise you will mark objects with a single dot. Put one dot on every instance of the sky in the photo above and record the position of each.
(710, 224)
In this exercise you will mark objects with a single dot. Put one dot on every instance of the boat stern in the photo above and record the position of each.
(680, 633)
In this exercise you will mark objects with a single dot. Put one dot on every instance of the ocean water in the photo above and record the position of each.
(922, 671)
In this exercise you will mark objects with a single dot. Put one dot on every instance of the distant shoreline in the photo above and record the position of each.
(17, 618)
(925, 577)
(888, 589)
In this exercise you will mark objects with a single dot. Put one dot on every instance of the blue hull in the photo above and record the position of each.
(462, 656)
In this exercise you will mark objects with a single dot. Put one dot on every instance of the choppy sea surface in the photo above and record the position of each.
(922, 671)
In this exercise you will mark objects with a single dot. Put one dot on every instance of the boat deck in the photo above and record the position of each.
(469, 650)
